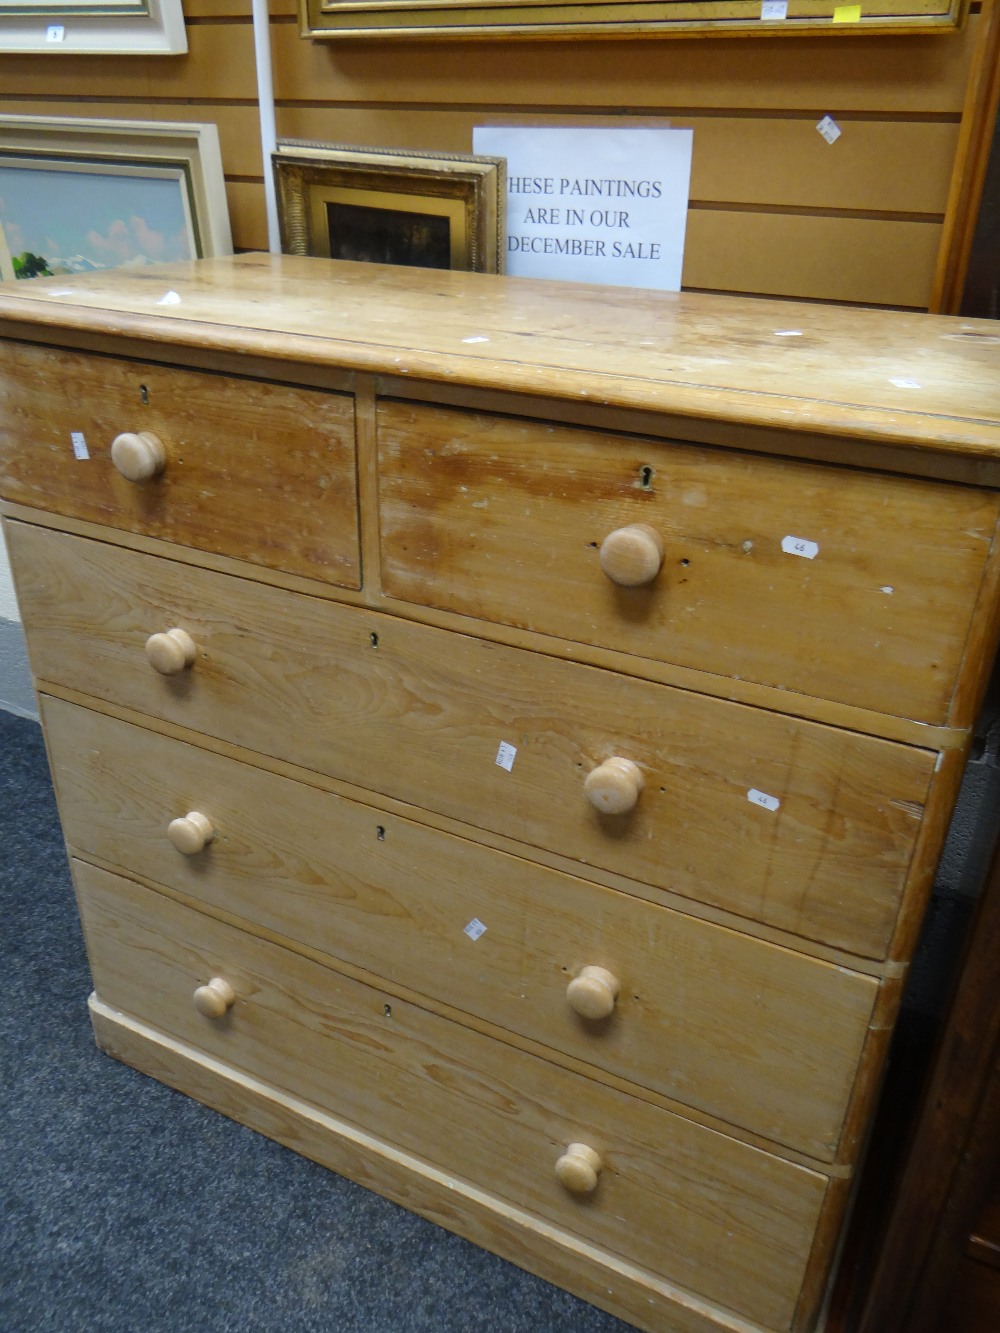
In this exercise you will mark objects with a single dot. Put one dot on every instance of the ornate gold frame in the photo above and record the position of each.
(332, 19)
(468, 191)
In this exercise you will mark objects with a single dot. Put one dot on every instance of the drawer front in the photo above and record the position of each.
(730, 1222)
(258, 471)
(419, 714)
(504, 520)
(755, 1034)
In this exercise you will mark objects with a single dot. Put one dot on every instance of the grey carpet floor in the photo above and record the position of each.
(126, 1207)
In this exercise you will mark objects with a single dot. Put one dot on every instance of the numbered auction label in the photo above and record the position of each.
(799, 546)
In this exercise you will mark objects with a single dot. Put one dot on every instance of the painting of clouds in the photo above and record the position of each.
(69, 218)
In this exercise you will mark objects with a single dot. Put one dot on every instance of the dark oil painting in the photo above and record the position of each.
(388, 236)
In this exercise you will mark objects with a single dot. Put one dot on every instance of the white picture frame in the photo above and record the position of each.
(79, 194)
(93, 27)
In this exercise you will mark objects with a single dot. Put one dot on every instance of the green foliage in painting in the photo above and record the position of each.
(28, 265)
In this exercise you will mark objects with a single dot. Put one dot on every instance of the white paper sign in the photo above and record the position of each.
(594, 205)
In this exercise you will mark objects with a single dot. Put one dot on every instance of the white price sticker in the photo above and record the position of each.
(79, 443)
(55, 32)
(761, 798)
(774, 9)
(829, 129)
(475, 928)
(799, 546)
(506, 755)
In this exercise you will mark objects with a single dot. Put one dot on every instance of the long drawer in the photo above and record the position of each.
(729, 1222)
(265, 472)
(758, 1035)
(799, 825)
(765, 562)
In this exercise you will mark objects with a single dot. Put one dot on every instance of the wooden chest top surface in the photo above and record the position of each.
(930, 383)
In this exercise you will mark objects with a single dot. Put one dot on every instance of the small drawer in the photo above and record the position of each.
(802, 826)
(831, 582)
(238, 467)
(729, 1222)
(760, 1036)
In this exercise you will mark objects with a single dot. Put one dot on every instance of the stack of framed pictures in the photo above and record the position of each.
(387, 206)
(85, 194)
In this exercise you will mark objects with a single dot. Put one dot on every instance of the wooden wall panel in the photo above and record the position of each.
(238, 125)
(833, 259)
(868, 75)
(775, 210)
(878, 166)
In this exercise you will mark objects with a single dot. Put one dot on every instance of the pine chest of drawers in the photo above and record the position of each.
(504, 732)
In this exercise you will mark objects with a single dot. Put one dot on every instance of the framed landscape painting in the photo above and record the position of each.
(77, 195)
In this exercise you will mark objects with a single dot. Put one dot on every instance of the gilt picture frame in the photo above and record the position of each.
(363, 20)
(391, 206)
(77, 195)
(93, 27)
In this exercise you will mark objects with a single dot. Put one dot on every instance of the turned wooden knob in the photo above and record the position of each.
(171, 652)
(592, 993)
(578, 1168)
(215, 998)
(614, 786)
(191, 834)
(632, 556)
(138, 456)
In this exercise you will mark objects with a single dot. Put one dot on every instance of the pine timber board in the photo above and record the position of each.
(694, 1206)
(606, 1281)
(331, 698)
(835, 378)
(702, 1008)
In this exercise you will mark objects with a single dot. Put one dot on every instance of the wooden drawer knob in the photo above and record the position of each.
(171, 652)
(191, 834)
(578, 1168)
(632, 556)
(215, 998)
(138, 456)
(592, 993)
(614, 786)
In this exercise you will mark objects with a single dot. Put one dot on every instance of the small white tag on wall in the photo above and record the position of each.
(829, 129)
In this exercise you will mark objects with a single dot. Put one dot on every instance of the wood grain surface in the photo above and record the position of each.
(757, 1035)
(502, 520)
(606, 1280)
(727, 1220)
(420, 714)
(808, 368)
(235, 447)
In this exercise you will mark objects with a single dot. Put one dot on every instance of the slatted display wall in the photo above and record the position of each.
(774, 208)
